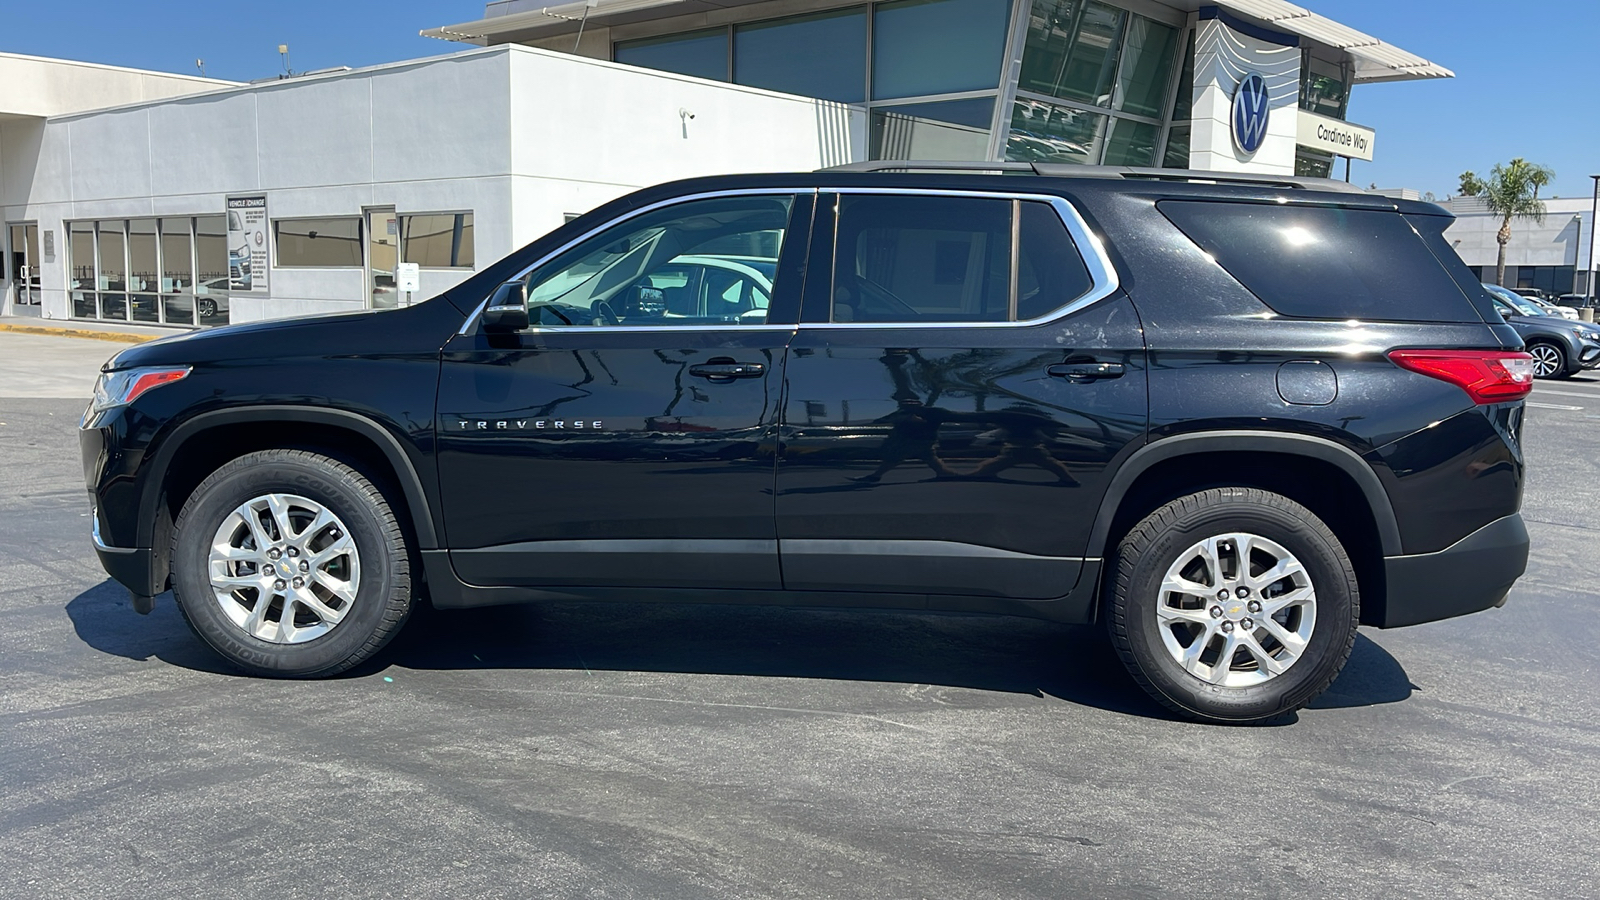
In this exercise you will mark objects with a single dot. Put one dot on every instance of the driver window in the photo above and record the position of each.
(705, 262)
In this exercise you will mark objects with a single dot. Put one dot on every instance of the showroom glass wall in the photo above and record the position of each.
(1096, 85)
(929, 71)
(171, 270)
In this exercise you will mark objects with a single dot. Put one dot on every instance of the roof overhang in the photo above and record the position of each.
(562, 17)
(1375, 60)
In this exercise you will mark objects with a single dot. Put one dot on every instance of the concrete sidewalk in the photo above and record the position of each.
(122, 332)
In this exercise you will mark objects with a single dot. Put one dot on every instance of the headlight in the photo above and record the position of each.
(1587, 334)
(114, 389)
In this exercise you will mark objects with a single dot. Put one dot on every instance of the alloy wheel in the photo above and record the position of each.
(1236, 610)
(1546, 360)
(284, 568)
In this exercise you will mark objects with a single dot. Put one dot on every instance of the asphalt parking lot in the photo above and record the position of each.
(709, 752)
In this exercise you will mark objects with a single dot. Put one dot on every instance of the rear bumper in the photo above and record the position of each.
(1473, 574)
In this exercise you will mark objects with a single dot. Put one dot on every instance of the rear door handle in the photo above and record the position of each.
(728, 370)
(1085, 372)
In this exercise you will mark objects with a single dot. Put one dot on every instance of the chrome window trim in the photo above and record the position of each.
(687, 198)
(1091, 250)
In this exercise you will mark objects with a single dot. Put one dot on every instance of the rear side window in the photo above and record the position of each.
(931, 259)
(1324, 262)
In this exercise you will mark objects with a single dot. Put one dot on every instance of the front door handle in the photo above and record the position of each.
(722, 370)
(1085, 372)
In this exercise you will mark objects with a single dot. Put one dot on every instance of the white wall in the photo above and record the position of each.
(1222, 57)
(1553, 242)
(515, 135)
(40, 87)
(585, 131)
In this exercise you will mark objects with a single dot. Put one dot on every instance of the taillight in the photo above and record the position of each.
(1488, 376)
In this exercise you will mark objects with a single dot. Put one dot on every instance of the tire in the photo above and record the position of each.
(348, 568)
(1148, 621)
(207, 308)
(1549, 360)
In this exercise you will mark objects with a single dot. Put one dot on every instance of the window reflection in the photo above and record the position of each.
(951, 129)
(702, 54)
(823, 55)
(937, 46)
(1044, 132)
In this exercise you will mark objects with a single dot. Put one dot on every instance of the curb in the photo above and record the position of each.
(121, 337)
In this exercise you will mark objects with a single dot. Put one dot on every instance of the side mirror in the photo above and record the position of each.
(508, 309)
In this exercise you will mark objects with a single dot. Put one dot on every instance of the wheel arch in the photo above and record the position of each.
(1328, 478)
(196, 447)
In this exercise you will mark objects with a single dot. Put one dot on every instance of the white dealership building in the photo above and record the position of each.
(172, 200)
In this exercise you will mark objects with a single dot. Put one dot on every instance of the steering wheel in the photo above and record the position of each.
(605, 314)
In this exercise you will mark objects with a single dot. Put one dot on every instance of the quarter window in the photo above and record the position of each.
(705, 262)
(925, 260)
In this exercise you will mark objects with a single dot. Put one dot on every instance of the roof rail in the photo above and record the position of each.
(1073, 170)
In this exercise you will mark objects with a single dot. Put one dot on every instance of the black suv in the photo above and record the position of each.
(1228, 418)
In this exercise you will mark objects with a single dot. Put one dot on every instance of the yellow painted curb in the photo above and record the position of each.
(120, 337)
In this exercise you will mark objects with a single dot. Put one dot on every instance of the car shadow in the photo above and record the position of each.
(104, 619)
(985, 653)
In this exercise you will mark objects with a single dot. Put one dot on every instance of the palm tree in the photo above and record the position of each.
(1511, 192)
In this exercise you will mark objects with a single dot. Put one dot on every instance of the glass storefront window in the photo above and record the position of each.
(81, 275)
(438, 240)
(1310, 163)
(177, 271)
(787, 55)
(113, 271)
(1044, 132)
(1322, 87)
(318, 243)
(143, 274)
(211, 270)
(1146, 67)
(1131, 144)
(1177, 153)
(703, 54)
(1071, 50)
(937, 46)
(949, 129)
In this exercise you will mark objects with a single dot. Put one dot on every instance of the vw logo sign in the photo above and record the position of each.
(1250, 109)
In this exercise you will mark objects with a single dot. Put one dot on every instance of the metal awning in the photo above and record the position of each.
(551, 18)
(1374, 59)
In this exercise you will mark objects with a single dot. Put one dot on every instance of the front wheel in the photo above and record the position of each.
(1549, 361)
(1233, 605)
(290, 565)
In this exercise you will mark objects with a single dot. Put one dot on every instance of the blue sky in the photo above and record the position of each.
(1525, 72)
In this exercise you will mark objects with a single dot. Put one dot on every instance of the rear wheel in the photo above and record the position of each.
(290, 565)
(1233, 605)
(1549, 360)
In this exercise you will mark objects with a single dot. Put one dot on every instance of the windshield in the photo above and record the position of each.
(1520, 305)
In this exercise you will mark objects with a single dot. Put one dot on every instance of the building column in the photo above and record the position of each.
(1227, 50)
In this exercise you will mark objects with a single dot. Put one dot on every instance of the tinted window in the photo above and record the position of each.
(937, 46)
(1050, 273)
(703, 54)
(1326, 263)
(782, 55)
(318, 243)
(922, 259)
(705, 262)
(438, 240)
(1432, 230)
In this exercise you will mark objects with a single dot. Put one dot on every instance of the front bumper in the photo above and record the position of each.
(1588, 354)
(1473, 574)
